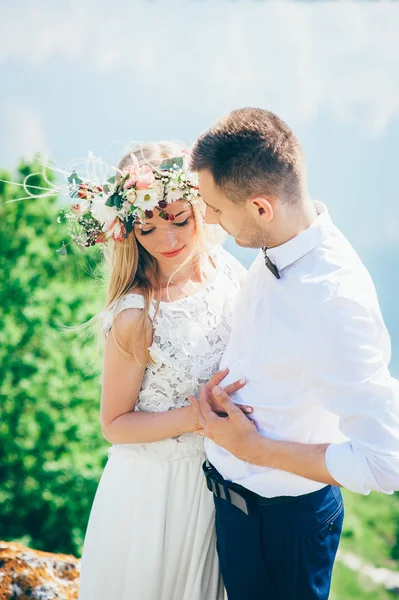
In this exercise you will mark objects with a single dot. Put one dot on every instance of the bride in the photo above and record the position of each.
(166, 324)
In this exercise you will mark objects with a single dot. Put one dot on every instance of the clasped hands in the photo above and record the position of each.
(222, 421)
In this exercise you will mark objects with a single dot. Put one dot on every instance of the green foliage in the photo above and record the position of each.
(51, 448)
(349, 585)
(371, 528)
(371, 533)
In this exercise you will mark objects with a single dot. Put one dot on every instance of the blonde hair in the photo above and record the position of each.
(131, 267)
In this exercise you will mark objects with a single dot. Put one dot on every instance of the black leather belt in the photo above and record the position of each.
(236, 494)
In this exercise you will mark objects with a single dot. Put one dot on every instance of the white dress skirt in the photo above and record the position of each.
(151, 532)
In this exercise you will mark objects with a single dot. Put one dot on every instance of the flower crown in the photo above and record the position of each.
(110, 210)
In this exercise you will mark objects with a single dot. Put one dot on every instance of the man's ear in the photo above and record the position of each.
(261, 206)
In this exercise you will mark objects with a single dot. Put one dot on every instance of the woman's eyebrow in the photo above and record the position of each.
(178, 215)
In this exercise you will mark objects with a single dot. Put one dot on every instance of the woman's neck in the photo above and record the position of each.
(194, 271)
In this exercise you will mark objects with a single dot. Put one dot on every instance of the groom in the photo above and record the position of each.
(309, 339)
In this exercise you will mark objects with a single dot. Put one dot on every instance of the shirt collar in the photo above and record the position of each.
(289, 252)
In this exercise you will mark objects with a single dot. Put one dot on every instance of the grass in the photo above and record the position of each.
(371, 528)
(349, 585)
(371, 531)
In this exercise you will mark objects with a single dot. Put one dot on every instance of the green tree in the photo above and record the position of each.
(51, 448)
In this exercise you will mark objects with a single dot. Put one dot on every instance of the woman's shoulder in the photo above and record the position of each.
(132, 299)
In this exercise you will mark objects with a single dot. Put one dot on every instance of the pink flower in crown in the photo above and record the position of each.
(80, 208)
(117, 230)
(101, 238)
(133, 170)
(145, 179)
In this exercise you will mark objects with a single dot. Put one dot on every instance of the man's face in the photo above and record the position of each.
(235, 218)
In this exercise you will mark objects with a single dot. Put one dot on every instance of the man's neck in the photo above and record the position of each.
(290, 228)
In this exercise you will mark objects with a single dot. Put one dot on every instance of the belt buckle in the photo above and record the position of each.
(221, 490)
(240, 502)
(224, 492)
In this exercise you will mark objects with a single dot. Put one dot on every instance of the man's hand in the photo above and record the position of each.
(236, 433)
(214, 381)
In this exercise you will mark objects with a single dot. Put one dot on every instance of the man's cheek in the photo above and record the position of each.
(211, 217)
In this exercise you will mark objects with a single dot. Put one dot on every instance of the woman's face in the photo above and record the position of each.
(169, 241)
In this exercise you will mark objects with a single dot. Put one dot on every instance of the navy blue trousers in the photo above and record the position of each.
(280, 552)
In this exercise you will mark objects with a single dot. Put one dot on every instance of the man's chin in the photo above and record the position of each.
(246, 244)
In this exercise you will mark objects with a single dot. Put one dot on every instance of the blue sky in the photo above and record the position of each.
(80, 76)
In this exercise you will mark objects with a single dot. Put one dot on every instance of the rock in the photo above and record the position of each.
(27, 574)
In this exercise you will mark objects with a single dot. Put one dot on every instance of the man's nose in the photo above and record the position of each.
(211, 217)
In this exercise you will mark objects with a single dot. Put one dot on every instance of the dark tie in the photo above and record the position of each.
(271, 266)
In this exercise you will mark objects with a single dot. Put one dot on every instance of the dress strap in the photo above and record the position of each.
(127, 301)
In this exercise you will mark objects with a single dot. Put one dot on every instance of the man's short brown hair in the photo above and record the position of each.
(252, 152)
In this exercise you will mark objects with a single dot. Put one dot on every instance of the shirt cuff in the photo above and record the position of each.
(350, 468)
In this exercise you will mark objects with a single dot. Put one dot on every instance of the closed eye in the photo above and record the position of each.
(142, 232)
(182, 224)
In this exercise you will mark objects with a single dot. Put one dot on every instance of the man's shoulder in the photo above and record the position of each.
(334, 270)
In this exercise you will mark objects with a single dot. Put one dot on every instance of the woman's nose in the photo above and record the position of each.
(169, 237)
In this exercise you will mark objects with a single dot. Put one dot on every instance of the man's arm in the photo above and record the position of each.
(346, 364)
(238, 434)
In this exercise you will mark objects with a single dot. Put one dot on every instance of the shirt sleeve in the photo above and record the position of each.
(348, 364)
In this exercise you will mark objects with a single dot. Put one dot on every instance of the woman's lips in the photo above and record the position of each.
(172, 254)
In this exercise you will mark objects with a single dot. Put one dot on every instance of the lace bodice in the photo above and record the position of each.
(189, 338)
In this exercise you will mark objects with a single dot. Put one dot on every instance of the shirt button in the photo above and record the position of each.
(331, 526)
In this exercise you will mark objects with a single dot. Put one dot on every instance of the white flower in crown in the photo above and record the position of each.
(148, 199)
(130, 196)
(104, 214)
(174, 193)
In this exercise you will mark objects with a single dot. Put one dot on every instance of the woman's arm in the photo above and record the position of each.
(122, 379)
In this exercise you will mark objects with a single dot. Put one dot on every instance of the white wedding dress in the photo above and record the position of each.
(151, 532)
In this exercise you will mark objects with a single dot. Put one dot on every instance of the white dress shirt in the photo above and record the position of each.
(314, 350)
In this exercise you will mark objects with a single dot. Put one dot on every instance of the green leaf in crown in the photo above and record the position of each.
(74, 178)
(129, 224)
(114, 200)
(172, 164)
